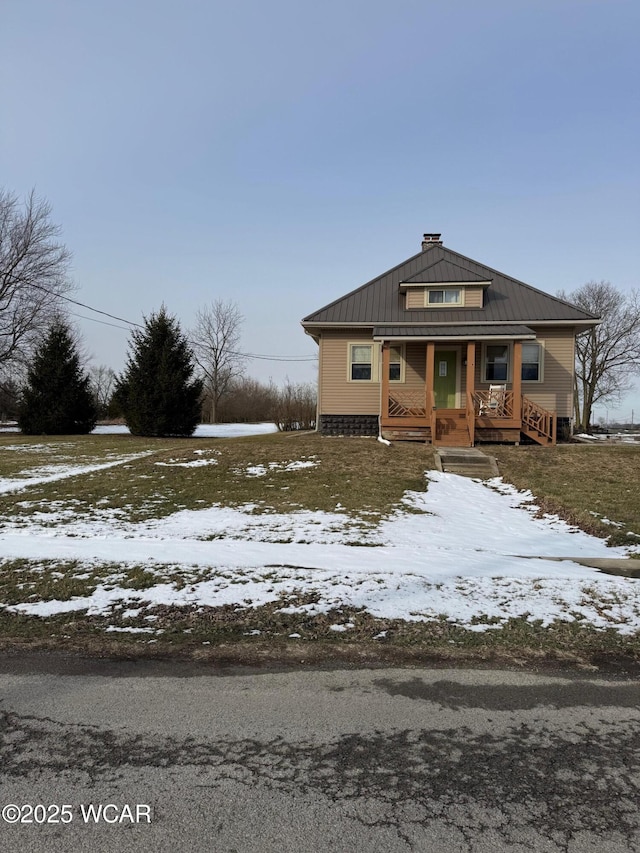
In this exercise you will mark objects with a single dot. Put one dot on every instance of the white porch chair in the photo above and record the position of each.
(494, 403)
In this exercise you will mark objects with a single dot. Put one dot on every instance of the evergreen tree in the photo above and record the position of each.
(57, 399)
(157, 393)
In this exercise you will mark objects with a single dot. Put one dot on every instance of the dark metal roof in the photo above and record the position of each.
(506, 300)
(444, 271)
(504, 330)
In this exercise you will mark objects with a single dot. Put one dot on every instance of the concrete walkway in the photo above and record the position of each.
(473, 463)
(621, 566)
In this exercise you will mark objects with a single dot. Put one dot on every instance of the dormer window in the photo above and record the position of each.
(444, 296)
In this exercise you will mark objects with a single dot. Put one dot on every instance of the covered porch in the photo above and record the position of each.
(452, 393)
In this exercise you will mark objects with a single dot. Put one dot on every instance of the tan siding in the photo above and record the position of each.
(319, 393)
(473, 297)
(415, 297)
(556, 391)
(416, 364)
(339, 396)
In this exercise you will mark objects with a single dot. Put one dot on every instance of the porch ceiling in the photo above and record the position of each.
(460, 332)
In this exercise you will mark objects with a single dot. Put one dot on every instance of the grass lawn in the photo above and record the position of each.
(273, 477)
(366, 478)
(595, 488)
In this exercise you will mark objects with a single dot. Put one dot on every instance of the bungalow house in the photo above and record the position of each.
(444, 349)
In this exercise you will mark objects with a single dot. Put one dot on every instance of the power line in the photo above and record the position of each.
(274, 357)
(102, 322)
(88, 307)
(261, 357)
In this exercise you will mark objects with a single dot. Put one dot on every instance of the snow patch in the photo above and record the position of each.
(262, 470)
(421, 569)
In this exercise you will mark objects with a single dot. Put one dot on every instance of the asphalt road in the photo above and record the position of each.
(350, 760)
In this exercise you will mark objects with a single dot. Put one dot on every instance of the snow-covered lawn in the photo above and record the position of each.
(52, 473)
(461, 549)
(614, 437)
(202, 430)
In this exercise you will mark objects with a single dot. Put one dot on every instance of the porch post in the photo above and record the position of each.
(385, 381)
(471, 387)
(428, 380)
(516, 382)
(429, 398)
(471, 366)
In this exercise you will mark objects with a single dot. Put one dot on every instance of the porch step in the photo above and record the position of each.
(453, 439)
(451, 428)
(407, 434)
(536, 436)
(467, 462)
(454, 456)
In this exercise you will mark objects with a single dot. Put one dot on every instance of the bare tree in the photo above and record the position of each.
(607, 355)
(102, 381)
(296, 407)
(216, 342)
(9, 396)
(33, 273)
(247, 401)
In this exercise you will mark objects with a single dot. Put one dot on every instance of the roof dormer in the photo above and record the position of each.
(444, 284)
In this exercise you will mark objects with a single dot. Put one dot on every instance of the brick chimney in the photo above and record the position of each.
(429, 240)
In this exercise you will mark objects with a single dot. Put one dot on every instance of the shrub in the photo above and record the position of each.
(57, 399)
(157, 394)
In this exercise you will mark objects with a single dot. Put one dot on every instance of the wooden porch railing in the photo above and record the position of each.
(431, 412)
(415, 408)
(535, 419)
(407, 403)
(409, 408)
(493, 404)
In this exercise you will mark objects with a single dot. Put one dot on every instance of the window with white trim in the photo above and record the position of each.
(496, 363)
(531, 362)
(361, 362)
(446, 296)
(396, 363)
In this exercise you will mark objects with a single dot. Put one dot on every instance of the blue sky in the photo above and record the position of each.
(282, 153)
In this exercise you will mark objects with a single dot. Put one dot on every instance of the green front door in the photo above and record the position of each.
(444, 379)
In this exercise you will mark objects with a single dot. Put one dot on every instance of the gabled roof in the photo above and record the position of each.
(443, 271)
(507, 300)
